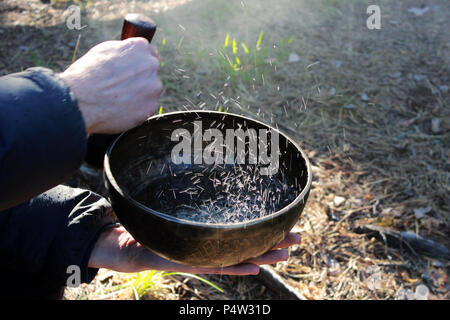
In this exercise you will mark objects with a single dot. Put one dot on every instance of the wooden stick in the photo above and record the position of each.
(271, 279)
(415, 243)
(76, 48)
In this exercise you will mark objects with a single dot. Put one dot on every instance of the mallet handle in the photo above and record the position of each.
(138, 25)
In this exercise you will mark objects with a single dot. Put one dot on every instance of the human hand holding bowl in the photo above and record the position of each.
(117, 250)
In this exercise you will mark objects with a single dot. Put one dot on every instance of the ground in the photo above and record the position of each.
(370, 108)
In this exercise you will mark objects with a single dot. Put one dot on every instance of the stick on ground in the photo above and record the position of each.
(270, 278)
(415, 243)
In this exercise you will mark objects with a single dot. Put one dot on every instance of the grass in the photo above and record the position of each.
(141, 284)
(87, 3)
(195, 277)
(144, 282)
(235, 65)
(236, 60)
(36, 59)
(149, 284)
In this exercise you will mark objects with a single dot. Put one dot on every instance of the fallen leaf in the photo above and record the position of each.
(419, 11)
(407, 123)
(293, 58)
(436, 125)
(438, 264)
(421, 292)
(443, 88)
(386, 222)
(395, 75)
(405, 294)
(338, 201)
(421, 212)
(364, 97)
(406, 278)
(336, 63)
(419, 77)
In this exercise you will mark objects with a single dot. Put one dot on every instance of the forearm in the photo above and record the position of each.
(42, 135)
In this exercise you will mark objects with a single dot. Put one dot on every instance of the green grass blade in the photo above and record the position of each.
(258, 43)
(195, 277)
(227, 40)
(245, 48)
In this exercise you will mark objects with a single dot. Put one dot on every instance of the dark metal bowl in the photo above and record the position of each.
(138, 160)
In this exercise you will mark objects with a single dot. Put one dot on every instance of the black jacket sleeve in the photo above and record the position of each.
(42, 143)
(41, 238)
(42, 134)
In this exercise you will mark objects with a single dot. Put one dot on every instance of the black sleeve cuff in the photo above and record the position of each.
(88, 274)
(75, 240)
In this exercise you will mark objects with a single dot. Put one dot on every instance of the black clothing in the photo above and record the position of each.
(42, 143)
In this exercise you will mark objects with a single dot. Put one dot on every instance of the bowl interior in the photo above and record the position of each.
(209, 167)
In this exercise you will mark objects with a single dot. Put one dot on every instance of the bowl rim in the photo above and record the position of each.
(165, 216)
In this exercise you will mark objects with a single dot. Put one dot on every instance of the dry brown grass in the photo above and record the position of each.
(381, 156)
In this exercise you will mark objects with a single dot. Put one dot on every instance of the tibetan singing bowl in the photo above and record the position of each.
(207, 189)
